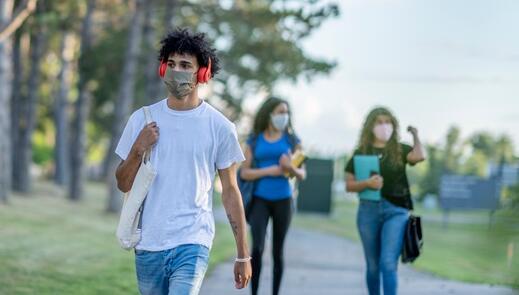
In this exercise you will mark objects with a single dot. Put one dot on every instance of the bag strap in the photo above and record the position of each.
(254, 139)
(292, 140)
(147, 115)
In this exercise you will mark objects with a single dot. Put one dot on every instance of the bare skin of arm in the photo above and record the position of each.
(251, 174)
(233, 205)
(417, 155)
(286, 165)
(127, 169)
(353, 186)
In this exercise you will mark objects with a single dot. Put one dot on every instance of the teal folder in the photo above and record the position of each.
(364, 165)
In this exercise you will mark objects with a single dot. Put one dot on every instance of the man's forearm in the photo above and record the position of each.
(234, 209)
(127, 170)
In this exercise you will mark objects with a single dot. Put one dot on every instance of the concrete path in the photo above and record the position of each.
(319, 263)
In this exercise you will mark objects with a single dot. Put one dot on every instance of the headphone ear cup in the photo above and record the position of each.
(204, 73)
(162, 69)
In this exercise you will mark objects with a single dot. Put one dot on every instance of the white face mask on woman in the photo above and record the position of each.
(279, 121)
(383, 132)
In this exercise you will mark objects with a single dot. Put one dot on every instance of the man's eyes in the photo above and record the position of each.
(182, 65)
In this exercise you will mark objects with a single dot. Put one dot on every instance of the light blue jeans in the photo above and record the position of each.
(381, 227)
(178, 271)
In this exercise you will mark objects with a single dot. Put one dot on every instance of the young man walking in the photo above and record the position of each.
(191, 141)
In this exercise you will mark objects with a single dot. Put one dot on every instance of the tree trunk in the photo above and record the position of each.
(6, 8)
(125, 99)
(82, 106)
(22, 165)
(22, 12)
(16, 95)
(61, 151)
(154, 88)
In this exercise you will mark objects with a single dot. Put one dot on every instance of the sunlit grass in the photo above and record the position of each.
(467, 252)
(52, 246)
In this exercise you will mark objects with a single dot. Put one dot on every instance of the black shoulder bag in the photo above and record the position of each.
(413, 239)
(247, 187)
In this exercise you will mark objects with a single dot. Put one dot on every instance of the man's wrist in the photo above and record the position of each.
(243, 252)
(138, 150)
(243, 260)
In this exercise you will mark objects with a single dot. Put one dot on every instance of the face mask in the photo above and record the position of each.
(383, 132)
(279, 121)
(179, 84)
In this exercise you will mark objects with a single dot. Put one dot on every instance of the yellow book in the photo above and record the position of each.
(298, 158)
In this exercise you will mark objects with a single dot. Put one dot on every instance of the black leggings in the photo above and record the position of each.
(281, 213)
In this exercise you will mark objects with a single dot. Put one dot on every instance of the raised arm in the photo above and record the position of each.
(417, 154)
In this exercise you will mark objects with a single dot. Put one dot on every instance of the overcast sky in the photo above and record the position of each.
(434, 63)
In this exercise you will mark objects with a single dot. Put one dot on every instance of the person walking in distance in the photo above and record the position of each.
(268, 163)
(381, 223)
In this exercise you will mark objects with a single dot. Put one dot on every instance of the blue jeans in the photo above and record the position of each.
(381, 227)
(178, 271)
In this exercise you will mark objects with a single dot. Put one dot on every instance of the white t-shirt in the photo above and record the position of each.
(192, 145)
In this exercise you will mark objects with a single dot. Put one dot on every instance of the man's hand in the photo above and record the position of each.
(148, 136)
(242, 274)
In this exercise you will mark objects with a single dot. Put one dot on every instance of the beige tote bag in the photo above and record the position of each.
(128, 231)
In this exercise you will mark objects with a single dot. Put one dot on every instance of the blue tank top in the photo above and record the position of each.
(267, 154)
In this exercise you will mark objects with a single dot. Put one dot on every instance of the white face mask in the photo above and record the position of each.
(383, 132)
(279, 121)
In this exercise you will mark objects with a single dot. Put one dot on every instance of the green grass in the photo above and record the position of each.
(466, 252)
(52, 246)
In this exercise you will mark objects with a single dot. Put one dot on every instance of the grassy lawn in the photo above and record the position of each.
(467, 252)
(52, 246)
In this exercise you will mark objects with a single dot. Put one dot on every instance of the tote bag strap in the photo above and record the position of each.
(147, 115)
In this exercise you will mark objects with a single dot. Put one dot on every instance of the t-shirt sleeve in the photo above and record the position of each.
(349, 165)
(128, 137)
(293, 141)
(229, 150)
(406, 149)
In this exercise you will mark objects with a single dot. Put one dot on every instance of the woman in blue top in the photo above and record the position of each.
(267, 162)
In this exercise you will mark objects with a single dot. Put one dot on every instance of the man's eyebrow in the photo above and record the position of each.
(181, 61)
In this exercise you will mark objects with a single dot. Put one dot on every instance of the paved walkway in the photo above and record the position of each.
(337, 267)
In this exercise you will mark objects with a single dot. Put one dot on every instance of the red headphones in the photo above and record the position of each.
(203, 75)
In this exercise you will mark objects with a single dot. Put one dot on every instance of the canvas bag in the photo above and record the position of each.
(128, 230)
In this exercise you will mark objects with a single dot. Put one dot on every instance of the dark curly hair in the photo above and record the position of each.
(182, 41)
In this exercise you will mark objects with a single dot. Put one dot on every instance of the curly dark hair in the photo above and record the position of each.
(262, 119)
(182, 41)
